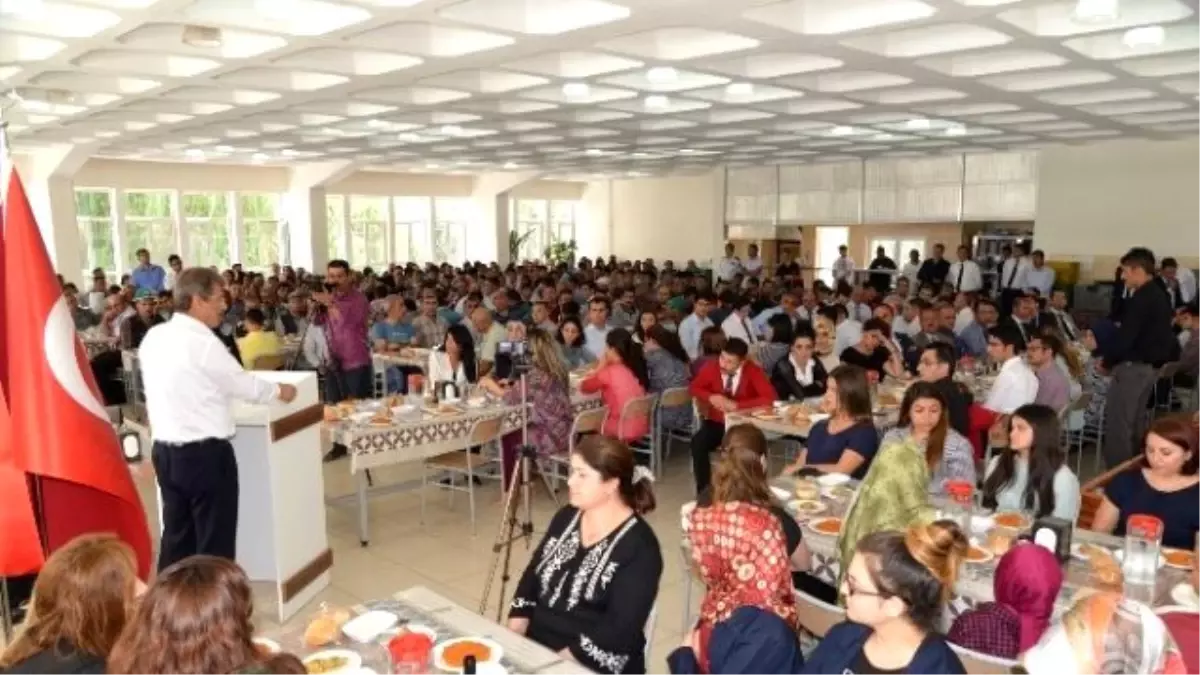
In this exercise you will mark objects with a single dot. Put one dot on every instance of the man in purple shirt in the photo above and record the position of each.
(349, 373)
(1054, 390)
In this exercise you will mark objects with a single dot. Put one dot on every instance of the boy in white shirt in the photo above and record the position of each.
(1016, 384)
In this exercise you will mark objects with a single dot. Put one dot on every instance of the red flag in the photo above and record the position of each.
(61, 433)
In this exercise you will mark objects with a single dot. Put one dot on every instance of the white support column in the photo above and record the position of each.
(593, 220)
(119, 244)
(181, 240)
(304, 208)
(46, 176)
(237, 231)
(489, 196)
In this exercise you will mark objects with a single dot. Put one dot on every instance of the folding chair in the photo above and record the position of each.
(462, 463)
(676, 397)
(587, 422)
(641, 408)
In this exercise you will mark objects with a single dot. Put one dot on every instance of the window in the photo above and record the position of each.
(530, 225)
(562, 221)
(828, 241)
(414, 217)
(206, 229)
(94, 213)
(260, 227)
(897, 250)
(335, 226)
(449, 235)
(368, 221)
(149, 224)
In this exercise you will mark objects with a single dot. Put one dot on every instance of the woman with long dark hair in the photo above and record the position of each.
(646, 319)
(621, 378)
(667, 368)
(574, 348)
(925, 422)
(779, 341)
(800, 375)
(1031, 474)
(454, 360)
(847, 441)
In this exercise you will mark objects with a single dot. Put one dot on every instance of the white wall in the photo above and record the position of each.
(676, 218)
(1096, 201)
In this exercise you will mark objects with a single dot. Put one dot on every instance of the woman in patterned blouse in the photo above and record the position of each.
(925, 421)
(667, 367)
(593, 580)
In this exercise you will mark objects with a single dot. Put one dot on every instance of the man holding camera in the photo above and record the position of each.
(348, 373)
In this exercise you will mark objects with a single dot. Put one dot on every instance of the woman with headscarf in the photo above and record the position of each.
(1027, 581)
(1105, 633)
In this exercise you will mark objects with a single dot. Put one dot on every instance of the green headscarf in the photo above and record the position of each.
(893, 495)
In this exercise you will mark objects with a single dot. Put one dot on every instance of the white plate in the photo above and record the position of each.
(497, 652)
(353, 660)
(795, 506)
(1118, 555)
(1185, 595)
(476, 402)
(268, 644)
(812, 525)
(831, 479)
(360, 417)
(422, 629)
(368, 625)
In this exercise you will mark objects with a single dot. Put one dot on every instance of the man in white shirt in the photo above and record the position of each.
(965, 274)
(963, 314)
(729, 266)
(847, 332)
(1038, 277)
(174, 267)
(737, 324)
(908, 321)
(753, 267)
(595, 333)
(695, 323)
(1011, 276)
(1016, 385)
(843, 267)
(190, 379)
(1180, 282)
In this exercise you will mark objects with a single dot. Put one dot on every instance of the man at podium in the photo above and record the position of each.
(190, 378)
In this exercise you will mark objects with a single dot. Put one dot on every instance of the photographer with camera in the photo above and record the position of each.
(548, 393)
(348, 369)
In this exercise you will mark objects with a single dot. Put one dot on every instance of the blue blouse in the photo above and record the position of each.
(826, 448)
(1132, 494)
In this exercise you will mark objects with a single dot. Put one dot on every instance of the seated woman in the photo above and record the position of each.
(81, 600)
(646, 319)
(1026, 584)
(925, 422)
(565, 600)
(667, 368)
(778, 344)
(751, 640)
(1031, 474)
(454, 361)
(800, 375)
(570, 339)
(896, 588)
(847, 441)
(1163, 484)
(712, 342)
(874, 352)
(548, 392)
(195, 618)
(620, 378)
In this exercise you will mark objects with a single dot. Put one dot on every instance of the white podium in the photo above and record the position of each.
(281, 535)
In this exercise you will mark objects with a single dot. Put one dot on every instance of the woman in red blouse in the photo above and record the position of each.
(620, 378)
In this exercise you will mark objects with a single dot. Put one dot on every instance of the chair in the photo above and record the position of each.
(641, 408)
(817, 616)
(1074, 438)
(587, 422)
(462, 463)
(673, 398)
(978, 663)
(268, 362)
(1166, 377)
(1090, 495)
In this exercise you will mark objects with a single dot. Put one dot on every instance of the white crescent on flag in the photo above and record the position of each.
(59, 342)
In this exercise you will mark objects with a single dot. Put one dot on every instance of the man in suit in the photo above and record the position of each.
(933, 271)
(1012, 277)
(1026, 318)
(729, 383)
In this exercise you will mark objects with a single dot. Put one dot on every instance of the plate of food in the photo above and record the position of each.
(828, 525)
(1185, 595)
(1179, 558)
(838, 492)
(765, 415)
(1011, 520)
(449, 655)
(978, 555)
(807, 489)
(831, 479)
(329, 661)
(806, 507)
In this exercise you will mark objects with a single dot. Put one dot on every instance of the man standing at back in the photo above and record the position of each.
(146, 274)
(1144, 342)
(349, 371)
(965, 274)
(190, 379)
(934, 270)
(882, 270)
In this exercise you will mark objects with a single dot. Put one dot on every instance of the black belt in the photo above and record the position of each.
(191, 444)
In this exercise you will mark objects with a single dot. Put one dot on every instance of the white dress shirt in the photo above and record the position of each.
(753, 266)
(737, 326)
(910, 272)
(1012, 273)
(847, 334)
(727, 268)
(440, 370)
(1187, 284)
(965, 317)
(594, 339)
(902, 326)
(169, 279)
(1040, 279)
(114, 328)
(843, 269)
(689, 333)
(859, 311)
(804, 375)
(1016, 385)
(972, 276)
(190, 379)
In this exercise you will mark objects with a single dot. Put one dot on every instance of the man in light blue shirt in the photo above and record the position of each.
(1038, 277)
(595, 333)
(146, 275)
(695, 323)
(787, 303)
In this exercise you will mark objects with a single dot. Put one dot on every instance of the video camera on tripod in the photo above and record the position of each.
(513, 359)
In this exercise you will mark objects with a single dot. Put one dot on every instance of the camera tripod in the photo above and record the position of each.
(518, 497)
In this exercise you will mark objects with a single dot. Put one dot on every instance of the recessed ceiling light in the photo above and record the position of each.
(202, 37)
(333, 131)
(450, 130)
(409, 137)
(288, 152)
(510, 165)
(686, 151)
(661, 74)
(841, 131)
(918, 123)
(592, 152)
(956, 130)
(575, 90)
(259, 157)
(226, 149)
(1144, 36)
(194, 153)
(19, 7)
(378, 124)
(1096, 11)
(740, 89)
(657, 101)
(432, 165)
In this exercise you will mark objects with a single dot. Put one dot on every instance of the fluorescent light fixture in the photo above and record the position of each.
(333, 131)
(918, 123)
(510, 165)
(378, 124)
(575, 90)
(1096, 11)
(593, 152)
(657, 101)
(739, 89)
(686, 151)
(409, 137)
(1144, 36)
(450, 130)
(662, 74)
(259, 157)
(956, 130)
(223, 149)
(841, 131)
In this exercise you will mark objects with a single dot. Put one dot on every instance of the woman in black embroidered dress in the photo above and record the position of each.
(591, 585)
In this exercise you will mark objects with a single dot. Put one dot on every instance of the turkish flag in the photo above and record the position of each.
(60, 432)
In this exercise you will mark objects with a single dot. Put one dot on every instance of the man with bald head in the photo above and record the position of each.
(490, 333)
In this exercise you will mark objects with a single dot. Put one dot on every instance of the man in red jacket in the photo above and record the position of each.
(732, 382)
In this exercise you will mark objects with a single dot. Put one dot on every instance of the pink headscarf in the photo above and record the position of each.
(1028, 579)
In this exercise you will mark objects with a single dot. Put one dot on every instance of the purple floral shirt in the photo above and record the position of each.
(348, 332)
(552, 415)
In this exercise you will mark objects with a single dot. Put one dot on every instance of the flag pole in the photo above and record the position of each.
(6, 617)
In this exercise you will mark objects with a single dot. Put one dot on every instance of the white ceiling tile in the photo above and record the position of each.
(535, 17)
(93, 82)
(834, 17)
(241, 97)
(976, 64)
(1085, 97)
(429, 39)
(573, 65)
(1018, 118)
(664, 80)
(907, 95)
(278, 78)
(1162, 66)
(290, 17)
(505, 106)
(1132, 107)
(771, 65)
(1177, 127)
(60, 19)
(594, 95)
(1048, 79)
(1057, 19)
(811, 106)
(678, 43)
(1184, 86)
(731, 133)
(729, 116)
(843, 81)
(344, 108)
(970, 109)
(1160, 118)
(672, 105)
(485, 81)
(753, 94)
(235, 44)
(1086, 133)
(348, 61)
(412, 95)
(1184, 37)
(1045, 127)
(935, 39)
(145, 63)
(17, 48)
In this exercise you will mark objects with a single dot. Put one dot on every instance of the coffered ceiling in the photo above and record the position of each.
(591, 87)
